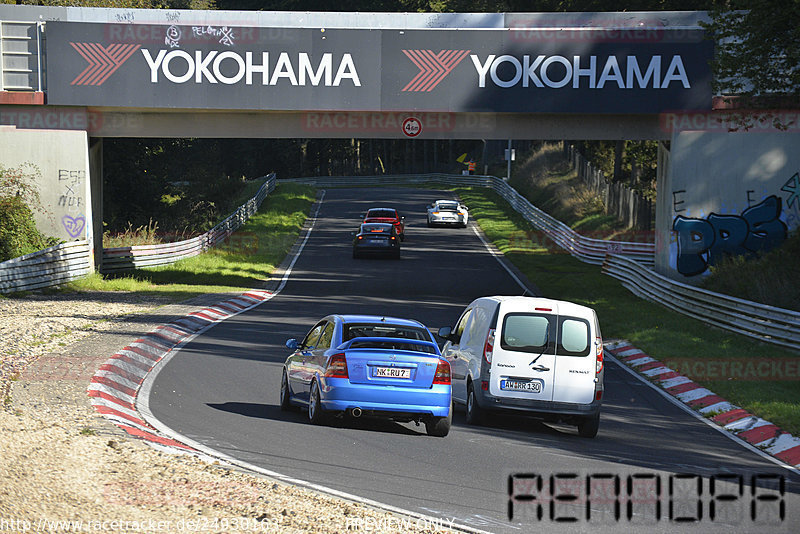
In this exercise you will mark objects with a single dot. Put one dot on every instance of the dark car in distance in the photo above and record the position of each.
(386, 215)
(376, 238)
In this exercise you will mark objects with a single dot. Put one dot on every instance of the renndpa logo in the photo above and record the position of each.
(103, 61)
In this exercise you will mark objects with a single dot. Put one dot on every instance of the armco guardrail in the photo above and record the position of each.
(585, 249)
(49, 267)
(136, 256)
(759, 321)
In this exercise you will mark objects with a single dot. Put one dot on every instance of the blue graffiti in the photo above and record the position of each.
(704, 242)
(792, 186)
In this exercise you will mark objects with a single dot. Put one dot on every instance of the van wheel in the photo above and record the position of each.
(588, 426)
(439, 426)
(474, 412)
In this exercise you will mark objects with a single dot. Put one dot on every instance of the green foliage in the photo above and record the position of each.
(758, 47)
(638, 168)
(772, 278)
(243, 262)
(143, 235)
(20, 182)
(18, 196)
(18, 233)
(188, 185)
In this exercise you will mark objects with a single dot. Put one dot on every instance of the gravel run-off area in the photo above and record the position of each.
(64, 468)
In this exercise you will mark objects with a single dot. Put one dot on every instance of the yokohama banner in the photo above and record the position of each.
(299, 69)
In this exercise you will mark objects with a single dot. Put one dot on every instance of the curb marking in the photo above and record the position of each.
(759, 433)
(115, 385)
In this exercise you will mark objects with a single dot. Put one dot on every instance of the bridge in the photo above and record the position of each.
(73, 76)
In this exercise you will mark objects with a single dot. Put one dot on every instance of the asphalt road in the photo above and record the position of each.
(222, 390)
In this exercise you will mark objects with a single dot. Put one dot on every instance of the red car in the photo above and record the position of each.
(386, 215)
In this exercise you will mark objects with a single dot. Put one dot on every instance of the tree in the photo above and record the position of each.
(757, 61)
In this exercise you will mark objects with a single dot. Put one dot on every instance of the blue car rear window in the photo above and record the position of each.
(352, 331)
(400, 332)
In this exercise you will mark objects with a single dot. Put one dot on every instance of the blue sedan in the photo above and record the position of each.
(369, 365)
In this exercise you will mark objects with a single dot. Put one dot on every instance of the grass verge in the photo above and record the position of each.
(658, 331)
(243, 262)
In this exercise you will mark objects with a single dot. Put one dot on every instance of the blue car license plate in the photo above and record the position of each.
(392, 372)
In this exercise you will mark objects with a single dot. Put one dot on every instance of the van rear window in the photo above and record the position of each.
(523, 332)
(528, 332)
(573, 338)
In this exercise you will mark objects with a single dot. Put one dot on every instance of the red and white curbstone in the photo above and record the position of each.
(115, 385)
(754, 430)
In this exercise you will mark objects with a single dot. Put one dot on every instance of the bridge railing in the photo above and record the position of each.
(586, 249)
(127, 258)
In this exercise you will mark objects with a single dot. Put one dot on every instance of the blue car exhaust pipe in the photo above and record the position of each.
(356, 412)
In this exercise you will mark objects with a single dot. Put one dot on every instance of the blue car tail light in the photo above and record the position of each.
(337, 366)
(442, 375)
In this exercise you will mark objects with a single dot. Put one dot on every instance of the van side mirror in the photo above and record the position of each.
(446, 332)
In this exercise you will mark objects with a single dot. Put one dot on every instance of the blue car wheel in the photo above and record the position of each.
(286, 405)
(439, 426)
(316, 415)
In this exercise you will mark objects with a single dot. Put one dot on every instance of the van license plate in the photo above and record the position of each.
(534, 386)
(392, 372)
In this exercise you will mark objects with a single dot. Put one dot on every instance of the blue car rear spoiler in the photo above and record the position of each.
(377, 341)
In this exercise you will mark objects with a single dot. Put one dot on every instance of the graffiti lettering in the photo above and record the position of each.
(71, 193)
(224, 33)
(74, 225)
(173, 38)
(703, 243)
(128, 17)
(792, 186)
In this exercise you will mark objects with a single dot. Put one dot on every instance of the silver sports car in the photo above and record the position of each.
(448, 212)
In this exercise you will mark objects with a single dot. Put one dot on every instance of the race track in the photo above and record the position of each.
(221, 390)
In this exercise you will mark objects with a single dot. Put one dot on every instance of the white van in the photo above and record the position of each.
(528, 355)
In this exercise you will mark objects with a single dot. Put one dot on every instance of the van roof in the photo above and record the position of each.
(561, 307)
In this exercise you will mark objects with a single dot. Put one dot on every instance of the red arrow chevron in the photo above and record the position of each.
(103, 62)
(432, 67)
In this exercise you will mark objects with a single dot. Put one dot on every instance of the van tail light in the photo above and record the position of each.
(337, 366)
(488, 348)
(599, 350)
(442, 375)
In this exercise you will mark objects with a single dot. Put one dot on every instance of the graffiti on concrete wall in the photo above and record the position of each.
(71, 201)
(792, 200)
(704, 242)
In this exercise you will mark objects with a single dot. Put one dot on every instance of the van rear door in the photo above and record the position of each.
(523, 357)
(576, 359)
